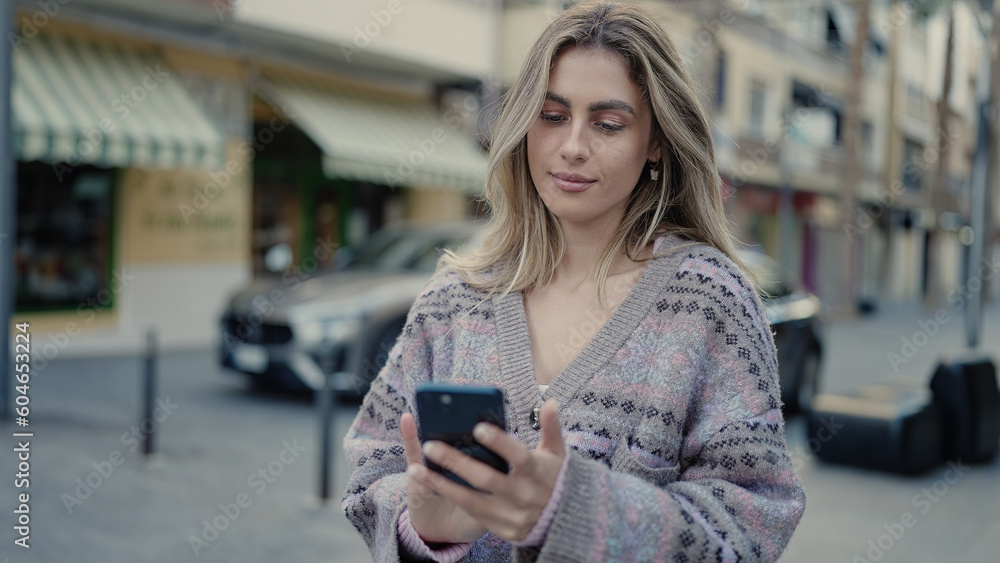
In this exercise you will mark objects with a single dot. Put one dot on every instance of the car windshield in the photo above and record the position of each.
(427, 260)
(404, 250)
(369, 253)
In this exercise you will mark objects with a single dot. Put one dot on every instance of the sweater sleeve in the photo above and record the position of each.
(733, 495)
(375, 496)
(376, 489)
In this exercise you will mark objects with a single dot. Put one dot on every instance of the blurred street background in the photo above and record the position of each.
(263, 186)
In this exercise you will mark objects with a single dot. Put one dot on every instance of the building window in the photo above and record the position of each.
(834, 35)
(868, 143)
(62, 255)
(758, 92)
(913, 165)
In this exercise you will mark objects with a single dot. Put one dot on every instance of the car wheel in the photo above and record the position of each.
(808, 382)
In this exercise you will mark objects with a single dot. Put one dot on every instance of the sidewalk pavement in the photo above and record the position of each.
(94, 498)
(235, 477)
(900, 342)
(858, 516)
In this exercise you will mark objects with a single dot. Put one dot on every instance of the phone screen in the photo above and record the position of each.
(449, 413)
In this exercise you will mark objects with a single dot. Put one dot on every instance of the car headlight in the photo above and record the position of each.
(332, 330)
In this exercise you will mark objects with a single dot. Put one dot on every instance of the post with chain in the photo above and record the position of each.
(326, 399)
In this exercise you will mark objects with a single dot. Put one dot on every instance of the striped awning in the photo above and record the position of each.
(376, 136)
(75, 101)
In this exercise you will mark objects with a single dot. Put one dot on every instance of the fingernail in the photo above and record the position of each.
(415, 471)
(429, 449)
(481, 432)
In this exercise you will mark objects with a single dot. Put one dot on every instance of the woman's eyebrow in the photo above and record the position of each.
(558, 99)
(612, 104)
(596, 106)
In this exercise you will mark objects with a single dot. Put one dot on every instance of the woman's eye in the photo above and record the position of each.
(551, 117)
(610, 127)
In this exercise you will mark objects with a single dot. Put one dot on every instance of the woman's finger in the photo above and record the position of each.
(475, 472)
(411, 441)
(552, 439)
(439, 484)
(503, 445)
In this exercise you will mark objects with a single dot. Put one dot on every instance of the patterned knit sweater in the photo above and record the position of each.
(671, 414)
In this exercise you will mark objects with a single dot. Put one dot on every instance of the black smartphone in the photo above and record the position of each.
(449, 413)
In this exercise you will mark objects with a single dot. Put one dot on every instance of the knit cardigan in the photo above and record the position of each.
(671, 414)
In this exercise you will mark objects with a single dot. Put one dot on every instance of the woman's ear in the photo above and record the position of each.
(654, 152)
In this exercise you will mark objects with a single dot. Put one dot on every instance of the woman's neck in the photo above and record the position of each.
(584, 247)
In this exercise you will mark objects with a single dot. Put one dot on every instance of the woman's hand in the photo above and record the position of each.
(436, 518)
(508, 505)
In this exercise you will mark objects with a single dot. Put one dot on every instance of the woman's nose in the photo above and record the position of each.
(574, 144)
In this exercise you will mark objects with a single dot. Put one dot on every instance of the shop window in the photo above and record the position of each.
(63, 250)
(276, 220)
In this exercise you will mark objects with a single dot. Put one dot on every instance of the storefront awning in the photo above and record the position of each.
(379, 137)
(75, 102)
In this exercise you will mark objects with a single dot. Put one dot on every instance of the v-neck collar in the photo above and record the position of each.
(516, 364)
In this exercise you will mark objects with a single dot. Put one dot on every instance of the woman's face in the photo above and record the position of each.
(589, 145)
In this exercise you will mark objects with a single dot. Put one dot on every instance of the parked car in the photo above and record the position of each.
(285, 332)
(286, 335)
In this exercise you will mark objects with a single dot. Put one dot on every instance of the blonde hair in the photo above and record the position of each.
(523, 243)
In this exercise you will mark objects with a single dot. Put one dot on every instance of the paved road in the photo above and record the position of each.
(94, 499)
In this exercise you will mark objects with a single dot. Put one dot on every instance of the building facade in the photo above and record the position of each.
(164, 147)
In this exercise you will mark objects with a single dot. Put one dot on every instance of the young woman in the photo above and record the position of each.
(608, 304)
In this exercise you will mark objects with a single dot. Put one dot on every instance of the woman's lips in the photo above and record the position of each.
(571, 182)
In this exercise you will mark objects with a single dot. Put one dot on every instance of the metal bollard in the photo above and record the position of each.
(149, 391)
(326, 400)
